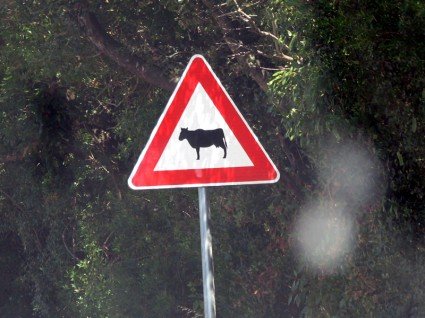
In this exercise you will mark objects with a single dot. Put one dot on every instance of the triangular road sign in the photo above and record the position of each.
(201, 139)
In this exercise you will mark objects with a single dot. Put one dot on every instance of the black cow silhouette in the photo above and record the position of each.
(200, 138)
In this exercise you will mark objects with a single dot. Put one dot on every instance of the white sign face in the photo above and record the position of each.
(201, 113)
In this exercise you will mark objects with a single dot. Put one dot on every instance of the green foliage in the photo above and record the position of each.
(76, 242)
(359, 78)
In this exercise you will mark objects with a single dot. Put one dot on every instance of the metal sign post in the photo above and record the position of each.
(206, 250)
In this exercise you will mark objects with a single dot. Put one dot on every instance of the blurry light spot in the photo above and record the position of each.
(352, 174)
(324, 235)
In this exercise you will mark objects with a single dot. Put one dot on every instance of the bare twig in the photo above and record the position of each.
(67, 248)
(248, 19)
(14, 203)
(235, 46)
(20, 156)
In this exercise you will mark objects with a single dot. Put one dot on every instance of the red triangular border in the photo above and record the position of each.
(143, 175)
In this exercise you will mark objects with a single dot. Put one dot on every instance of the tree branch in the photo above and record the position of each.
(248, 19)
(116, 52)
(235, 46)
(20, 156)
(12, 201)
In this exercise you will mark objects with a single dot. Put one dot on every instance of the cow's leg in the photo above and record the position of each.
(225, 151)
(197, 153)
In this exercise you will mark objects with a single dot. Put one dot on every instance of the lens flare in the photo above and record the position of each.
(352, 174)
(324, 234)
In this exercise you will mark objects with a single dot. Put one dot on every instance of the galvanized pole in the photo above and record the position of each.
(206, 249)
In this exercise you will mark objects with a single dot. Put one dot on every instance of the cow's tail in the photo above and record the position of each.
(224, 140)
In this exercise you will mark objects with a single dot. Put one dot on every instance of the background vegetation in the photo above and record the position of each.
(335, 90)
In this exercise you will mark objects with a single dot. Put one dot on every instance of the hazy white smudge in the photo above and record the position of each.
(351, 181)
(351, 174)
(324, 234)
